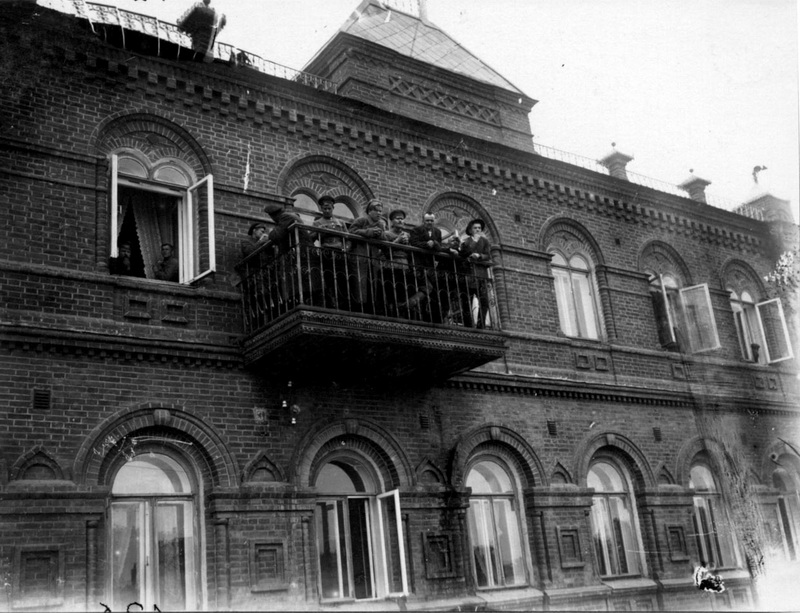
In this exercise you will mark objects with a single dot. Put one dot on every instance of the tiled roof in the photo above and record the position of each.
(419, 40)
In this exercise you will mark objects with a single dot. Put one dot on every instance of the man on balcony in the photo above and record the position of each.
(371, 226)
(332, 260)
(432, 284)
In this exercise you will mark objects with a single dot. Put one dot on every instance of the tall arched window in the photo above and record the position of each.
(160, 203)
(788, 511)
(615, 526)
(154, 535)
(575, 295)
(360, 546)
(713, 531)
(494, 526)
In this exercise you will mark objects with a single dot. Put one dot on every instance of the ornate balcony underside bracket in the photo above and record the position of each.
(373, 310)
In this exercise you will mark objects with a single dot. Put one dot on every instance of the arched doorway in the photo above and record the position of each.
(360, 545)
(154, 535)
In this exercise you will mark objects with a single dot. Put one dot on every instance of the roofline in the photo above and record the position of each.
(365, 3)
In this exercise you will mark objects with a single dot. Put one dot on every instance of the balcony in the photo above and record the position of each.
(369, 311)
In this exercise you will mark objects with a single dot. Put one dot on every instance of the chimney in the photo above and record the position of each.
(423, 11)
(695, 187)
(616, 161)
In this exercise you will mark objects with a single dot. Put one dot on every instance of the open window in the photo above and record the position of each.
(761, 328)
(360, 544)
(684, 316)
(772, 326)
(161, 204)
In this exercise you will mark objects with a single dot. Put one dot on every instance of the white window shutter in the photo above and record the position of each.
(390, 527)
(701, 327)
(114, 203)
(200, 255)
(774, 331)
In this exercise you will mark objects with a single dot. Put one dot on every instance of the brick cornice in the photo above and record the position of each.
(293, 108)
(581, 390)
(47, 342)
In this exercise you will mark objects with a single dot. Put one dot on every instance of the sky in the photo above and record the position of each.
(706, 85)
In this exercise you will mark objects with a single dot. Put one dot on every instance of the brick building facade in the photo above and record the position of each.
(614, 403)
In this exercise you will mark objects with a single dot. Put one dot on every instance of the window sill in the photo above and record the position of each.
(496, 597)
(624, 584)
(351, 604)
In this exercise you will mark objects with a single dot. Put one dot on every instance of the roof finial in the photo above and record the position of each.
(756, 170)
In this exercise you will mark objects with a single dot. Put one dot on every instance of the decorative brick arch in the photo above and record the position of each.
(622, 447)
(663, 475)
(156, 137)
(570, 237)
(357, 437)
(740, 276)
(324, 175)
(170, 424)
(559, 474)
(454, 211)
(690, 449)
(660, 258)
(262, 461)
(37, 456)
(779, 451)
(428, 473)
(488, 437)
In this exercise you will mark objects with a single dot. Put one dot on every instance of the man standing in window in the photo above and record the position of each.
(167, 268)
(124, 264)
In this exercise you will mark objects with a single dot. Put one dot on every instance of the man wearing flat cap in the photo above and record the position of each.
(329, 222)
(371, 225)
(256, 236)
(280, 236)
(332, 256)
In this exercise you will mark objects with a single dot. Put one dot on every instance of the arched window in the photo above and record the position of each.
(308, 209)
(360, 546)
(788, 511)
(713, 532)
(615, 526)
(576, 296)
(761, 328)
(494, 526)
(157, 204)
(154, 535)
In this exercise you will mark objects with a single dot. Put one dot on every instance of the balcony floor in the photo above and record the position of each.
(313, 343)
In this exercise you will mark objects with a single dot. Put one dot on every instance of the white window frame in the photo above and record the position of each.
(377, 546)
(719, 525)
(572, 308)
(187, 220)
(628, 498)
(784, 328)
(512, 497)
(684, 325)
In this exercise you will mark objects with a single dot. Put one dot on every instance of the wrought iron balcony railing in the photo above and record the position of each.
(368, 278)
